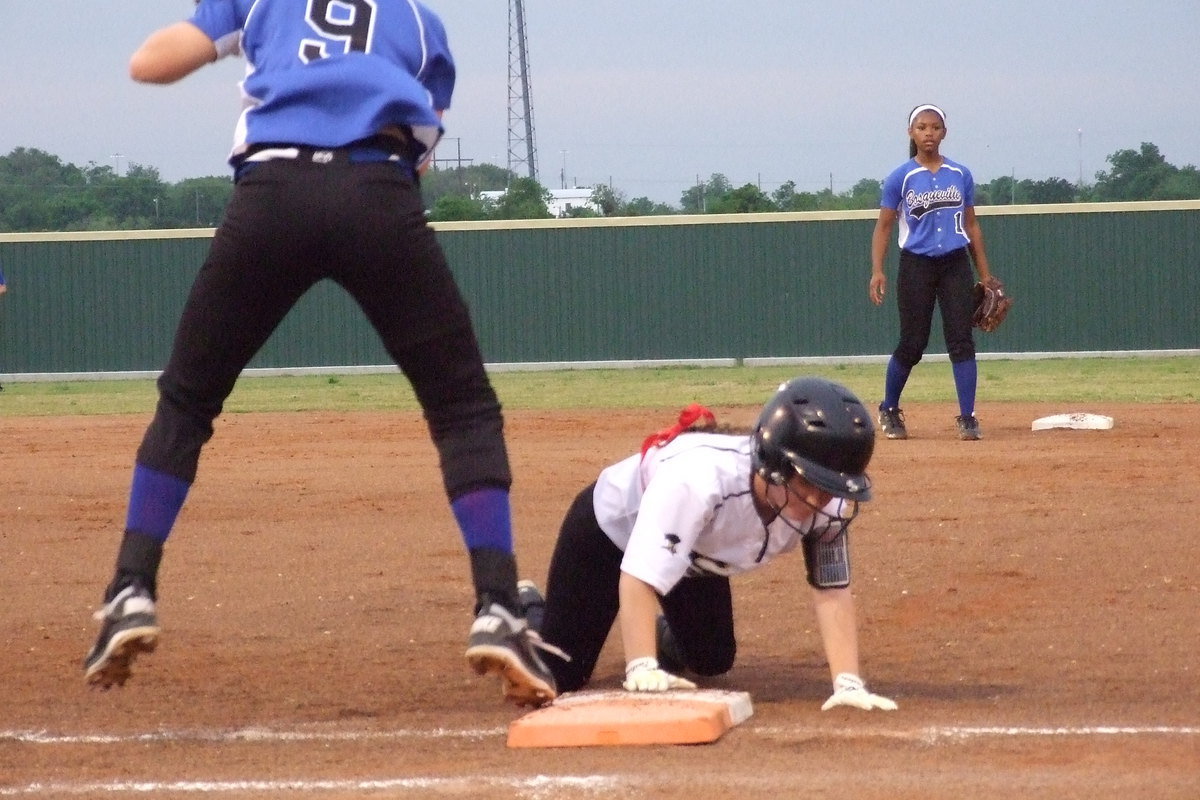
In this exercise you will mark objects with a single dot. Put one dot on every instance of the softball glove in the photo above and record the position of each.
(992, 304)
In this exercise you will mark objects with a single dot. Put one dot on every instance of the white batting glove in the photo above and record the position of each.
(644, 675)
(849, 690)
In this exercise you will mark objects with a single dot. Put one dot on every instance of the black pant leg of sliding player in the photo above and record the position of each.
(699, 612)
(581, 594)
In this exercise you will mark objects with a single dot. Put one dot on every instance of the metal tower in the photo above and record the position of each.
(522, 155)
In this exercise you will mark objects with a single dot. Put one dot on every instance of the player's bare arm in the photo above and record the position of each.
(172, 53)
(838, 624)
(837, 621)
(976, 248)
(879, 248)
(639, 608)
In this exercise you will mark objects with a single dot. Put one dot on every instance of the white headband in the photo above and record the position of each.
(913, 116)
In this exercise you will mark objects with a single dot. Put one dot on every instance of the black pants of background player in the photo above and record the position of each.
(582, 604)
(290, 224)
(924, 281)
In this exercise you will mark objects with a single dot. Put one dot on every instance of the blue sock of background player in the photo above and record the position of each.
(966, 377)
(893, 383)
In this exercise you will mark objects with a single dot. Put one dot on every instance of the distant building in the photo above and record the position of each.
(562, 201)
(567, 199)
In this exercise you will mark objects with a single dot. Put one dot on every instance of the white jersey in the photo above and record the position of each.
(687, 509)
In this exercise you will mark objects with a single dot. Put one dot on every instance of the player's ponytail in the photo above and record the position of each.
(694, 417)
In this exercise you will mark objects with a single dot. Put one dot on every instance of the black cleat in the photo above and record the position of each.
(504, 645)
(968, 428)
(130, 627)
(891, 421)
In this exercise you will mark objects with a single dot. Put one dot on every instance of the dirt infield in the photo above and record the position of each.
(1032, 601)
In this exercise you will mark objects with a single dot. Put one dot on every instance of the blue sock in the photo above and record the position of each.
(154, 502)
(893, 385)
(966, 376)
(485, 519)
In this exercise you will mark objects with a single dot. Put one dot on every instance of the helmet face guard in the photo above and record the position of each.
(820, 519)
(819, 430)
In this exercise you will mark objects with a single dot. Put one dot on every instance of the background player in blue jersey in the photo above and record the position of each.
(934, 200)
(342, 103)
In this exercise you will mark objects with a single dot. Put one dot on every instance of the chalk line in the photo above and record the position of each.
(928, 733)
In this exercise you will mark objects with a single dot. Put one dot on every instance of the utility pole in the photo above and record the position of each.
(458, 160)
(521, 150)
(1079, 186)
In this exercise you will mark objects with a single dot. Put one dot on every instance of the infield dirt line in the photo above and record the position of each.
(538, 784)
(931, 733)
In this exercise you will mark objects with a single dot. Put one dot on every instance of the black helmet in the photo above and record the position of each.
(819, 430)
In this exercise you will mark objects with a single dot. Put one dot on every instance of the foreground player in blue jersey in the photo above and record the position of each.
(934, 200)
(342, 108)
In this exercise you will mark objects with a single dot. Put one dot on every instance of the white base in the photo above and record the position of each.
(1077, 421)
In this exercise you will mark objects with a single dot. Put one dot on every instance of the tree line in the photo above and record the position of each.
(39, 192)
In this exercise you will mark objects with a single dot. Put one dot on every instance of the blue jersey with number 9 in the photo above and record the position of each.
(326, 73)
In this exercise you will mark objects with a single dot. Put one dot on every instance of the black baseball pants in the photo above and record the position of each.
(924, 281)
(290, 224)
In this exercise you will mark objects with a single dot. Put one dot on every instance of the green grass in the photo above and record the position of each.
(1116, 380)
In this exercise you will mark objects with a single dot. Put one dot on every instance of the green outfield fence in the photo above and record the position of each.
(1087, 278)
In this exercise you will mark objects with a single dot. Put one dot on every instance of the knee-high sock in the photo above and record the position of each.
(894, 381)
(484, 517)
(155, 499)
(966, 377)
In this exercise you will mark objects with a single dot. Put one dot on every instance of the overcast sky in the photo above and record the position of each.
(650, 94)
